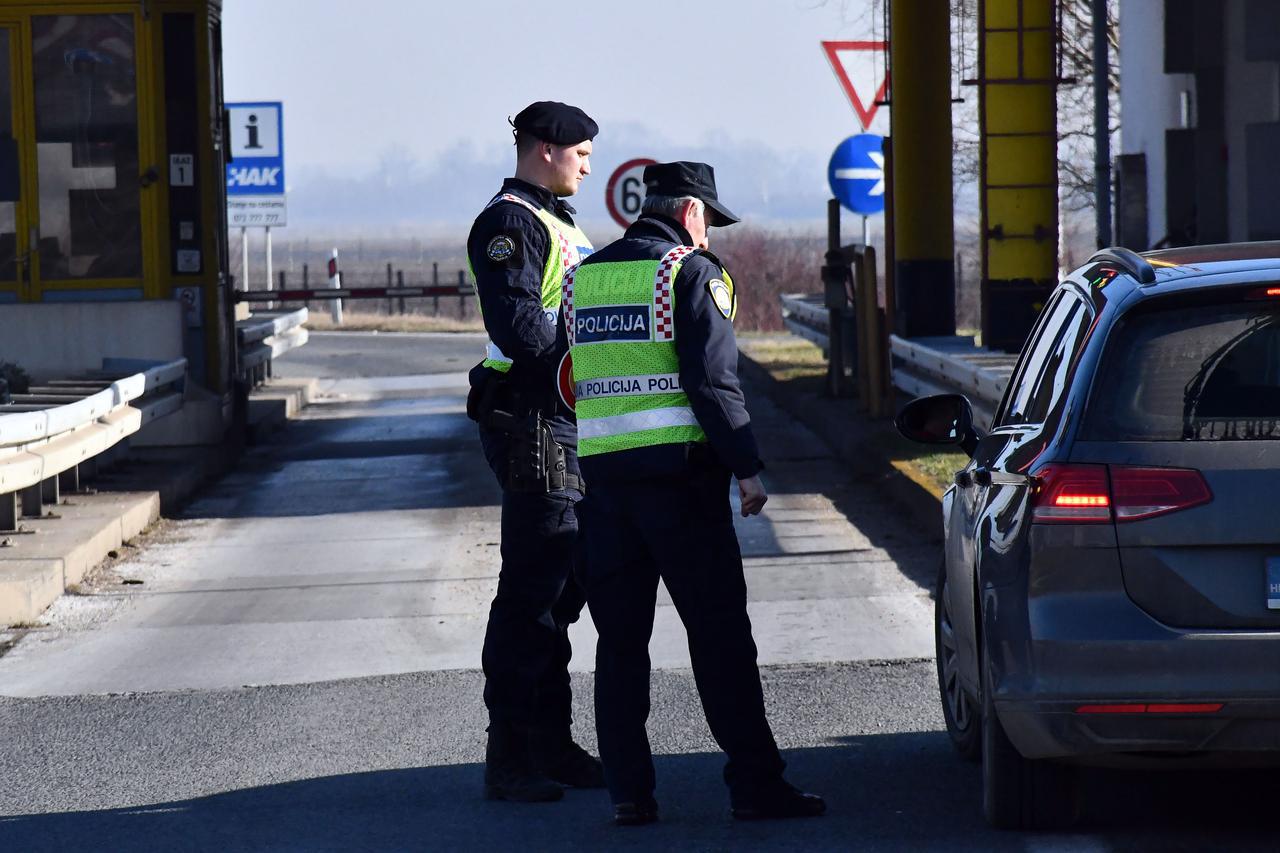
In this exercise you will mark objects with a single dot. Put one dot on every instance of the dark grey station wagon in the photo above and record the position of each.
(1110, 587)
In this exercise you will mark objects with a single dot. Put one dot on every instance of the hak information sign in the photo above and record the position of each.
(255, 175)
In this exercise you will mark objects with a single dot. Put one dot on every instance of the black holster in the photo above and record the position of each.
(535, 460)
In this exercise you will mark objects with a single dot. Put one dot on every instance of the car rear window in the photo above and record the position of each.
(1190, 373)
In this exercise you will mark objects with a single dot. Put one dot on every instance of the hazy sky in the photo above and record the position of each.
(413, 94)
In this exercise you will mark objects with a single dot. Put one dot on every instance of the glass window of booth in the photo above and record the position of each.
(86, 115)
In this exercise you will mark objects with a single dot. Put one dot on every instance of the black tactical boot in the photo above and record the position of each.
(509, 771)
(777, 799)
(557, 756)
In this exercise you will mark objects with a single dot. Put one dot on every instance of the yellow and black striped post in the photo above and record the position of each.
(1017, 108)
(923, 231)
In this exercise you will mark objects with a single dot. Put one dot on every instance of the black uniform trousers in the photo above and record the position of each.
(679, 529)
(526, 644)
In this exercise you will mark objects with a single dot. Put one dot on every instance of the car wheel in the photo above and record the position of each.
(1017, 792)
(959, 711)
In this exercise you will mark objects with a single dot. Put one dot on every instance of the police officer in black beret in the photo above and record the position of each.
(662, 428)
(519, 248)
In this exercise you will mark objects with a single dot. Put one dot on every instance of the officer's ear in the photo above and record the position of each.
(689, 211)
(548, 152)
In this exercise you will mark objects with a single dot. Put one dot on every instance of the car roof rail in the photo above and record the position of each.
(1129, 261)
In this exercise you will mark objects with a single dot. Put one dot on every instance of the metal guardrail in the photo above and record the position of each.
(44, 441)
(952, 365)
(920, 366)
(805, 315)
(267, 336)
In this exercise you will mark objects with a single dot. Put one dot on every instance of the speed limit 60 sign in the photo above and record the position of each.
(625, 191)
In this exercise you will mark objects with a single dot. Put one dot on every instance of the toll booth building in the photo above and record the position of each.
(1199, 122)
(112, 191)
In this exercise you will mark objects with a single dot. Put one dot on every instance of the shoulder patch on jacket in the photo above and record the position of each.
(505, 249)
(500, 248)
(722, 295)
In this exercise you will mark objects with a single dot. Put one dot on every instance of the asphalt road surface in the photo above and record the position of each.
(292, 664)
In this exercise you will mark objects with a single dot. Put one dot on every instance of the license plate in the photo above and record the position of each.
(1273, 583)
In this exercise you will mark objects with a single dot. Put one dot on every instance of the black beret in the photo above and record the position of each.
(554, 122)
(683, 178)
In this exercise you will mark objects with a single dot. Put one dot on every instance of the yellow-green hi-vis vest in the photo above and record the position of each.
(566, 246)
(620, 320)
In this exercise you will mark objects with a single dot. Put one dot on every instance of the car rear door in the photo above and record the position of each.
(1186, 413)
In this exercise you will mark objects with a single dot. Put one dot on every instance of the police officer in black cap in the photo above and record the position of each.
(662, 427)
(519, 248)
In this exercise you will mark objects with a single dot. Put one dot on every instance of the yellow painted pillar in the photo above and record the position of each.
(923, 231)
(1017, 85)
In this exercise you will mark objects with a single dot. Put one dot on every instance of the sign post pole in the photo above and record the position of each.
(244, 258)
(270, 282)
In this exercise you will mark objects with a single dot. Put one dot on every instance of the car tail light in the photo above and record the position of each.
(1071, 493)
(1145, 492)
(1085, 494)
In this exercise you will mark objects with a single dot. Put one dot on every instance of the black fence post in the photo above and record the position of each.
(304, 285)
(435, 282)
(390, 309)
(462, 299)
(400, 283)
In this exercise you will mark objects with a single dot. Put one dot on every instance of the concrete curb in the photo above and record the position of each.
(272, 406)
(855, 439)
(37, 567)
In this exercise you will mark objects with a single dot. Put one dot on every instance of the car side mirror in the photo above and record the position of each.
(940, 419)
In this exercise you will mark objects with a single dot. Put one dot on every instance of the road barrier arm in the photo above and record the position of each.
(353, 293)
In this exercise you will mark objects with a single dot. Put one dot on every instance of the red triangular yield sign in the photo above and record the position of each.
(832, 49)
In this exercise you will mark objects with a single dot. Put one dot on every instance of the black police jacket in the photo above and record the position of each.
(708, 356)
(510, 293)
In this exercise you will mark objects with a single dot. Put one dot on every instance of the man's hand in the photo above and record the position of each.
(751, 490)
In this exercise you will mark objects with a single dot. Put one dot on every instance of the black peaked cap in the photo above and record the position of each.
(554, 122)
(684, 178)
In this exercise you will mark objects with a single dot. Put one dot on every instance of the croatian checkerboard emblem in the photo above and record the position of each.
(500, 248)
(721, 296)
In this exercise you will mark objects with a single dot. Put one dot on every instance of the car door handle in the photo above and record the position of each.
(982, 476)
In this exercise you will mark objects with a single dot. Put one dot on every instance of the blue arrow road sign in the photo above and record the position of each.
(856, 173)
